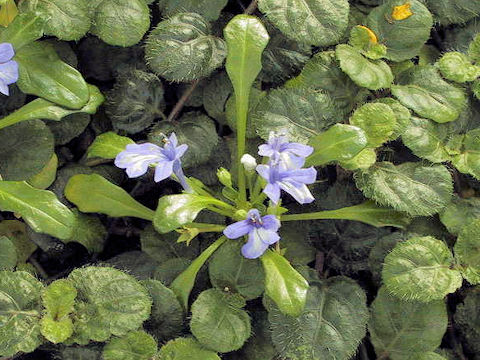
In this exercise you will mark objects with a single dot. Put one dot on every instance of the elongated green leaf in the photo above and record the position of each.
(136, 345)
(46, 176)
(370, 74)
(186, 349)
(283, 284)
(421, 269)
(42, 73)
(340, 142)
(108, 145)
(39, 208)
(313, 22)
(407, 187)
(330, 327)
(44, 109)
(183, 284)
(24, 29)
(402, 329)
(219, 322)
(94, 193)
(467, 251)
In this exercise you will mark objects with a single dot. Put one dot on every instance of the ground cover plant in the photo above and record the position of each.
(223, 179)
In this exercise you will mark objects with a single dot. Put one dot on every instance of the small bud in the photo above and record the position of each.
(224, 177)
(402, 12)
(249, 162)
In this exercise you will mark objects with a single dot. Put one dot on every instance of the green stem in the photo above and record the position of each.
(10, 120)
(241, 103)
(320, 215)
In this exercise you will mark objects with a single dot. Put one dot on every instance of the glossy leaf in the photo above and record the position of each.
(25, 29)
(103, 197)
(108, 145)
(467, 251)
(362, 161)
(46, 176)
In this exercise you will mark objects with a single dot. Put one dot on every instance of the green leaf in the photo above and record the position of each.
(370, 74)
(25, 150)
(322, 72)
(314, 22)
(8, 256)
(40, 209)
(218, 321)
(209, 9)
(423, 90)
(167, 319)
(421, 269)
(339, 142)
(466, 320)
(108, 145)
(192, 52)
(121, 22)
(330, 327)
(218, 89)
(377, 120)
(174, 211)
(363, 160)
(456, 66)
(183, 284)
(59, 298)
(88, 231)
(136, 345)
(468, 161)
(365, 40)
(23, 30)
(42, 73)
(169, 270)
(46, 176)
(256, 98)
(407, 187)
(453, 11)
(460, 212)
(229, 269)
(474, 49)
(402, 329)
(467, 250)
(103, 197)
(185, 349)
(403, 38)
(56, 331)
(283, 284)
(64, 19)
(110, 302)
(19, 312)
(383, 245)
(16, 232)
(300, 113)
(44, 109)
(196, 130)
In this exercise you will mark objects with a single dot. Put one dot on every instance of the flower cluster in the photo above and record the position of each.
(137, 158)
(8, 68)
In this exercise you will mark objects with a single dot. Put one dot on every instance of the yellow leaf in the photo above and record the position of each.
(402, 12)
(371, 34)
(8, 12)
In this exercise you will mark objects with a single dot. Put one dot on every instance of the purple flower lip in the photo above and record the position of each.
(8, 68)
(261, 231)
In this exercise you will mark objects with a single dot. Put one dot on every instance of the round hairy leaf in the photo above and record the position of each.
(68, 128)
(460, 212)
(209, 9)
(170, 269)
(8, 256)
(405, 329)
(25, 149)
(467, 320)
(420, 269)
(370, 74)
(456, 66)
(322, 72)
(295, 242)
(453, 11)
(300, 113)
(468, 161)
(56, 331)
(218, 321)
(136, 345)
(135, 263)
(185, 349)
(382, 247)
(182, 49)
(229, 269)
(403, 37)
(313, 22)
(423, 90)
(121, 22)
(363, 160)
(377, 120)
(109, 302)
(407, 187)
(88, 231)
(19, 312)
(135, 101)
(64, 19)
(166, 320)
(215, 95)
(330, 327)
(427, 139)
(467, 251)
(58, 298)
(260, 345)
(196, 130)
(402, 115)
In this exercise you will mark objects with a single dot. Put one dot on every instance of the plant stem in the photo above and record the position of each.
(241, 102)
(181, 102)
(251, 8)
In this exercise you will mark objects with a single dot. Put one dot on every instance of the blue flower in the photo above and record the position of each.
(136, 159)
(293, 181)
(279, 149)
(8, 68)
(261, 230)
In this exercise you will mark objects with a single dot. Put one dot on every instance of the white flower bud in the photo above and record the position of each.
(249, 162)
